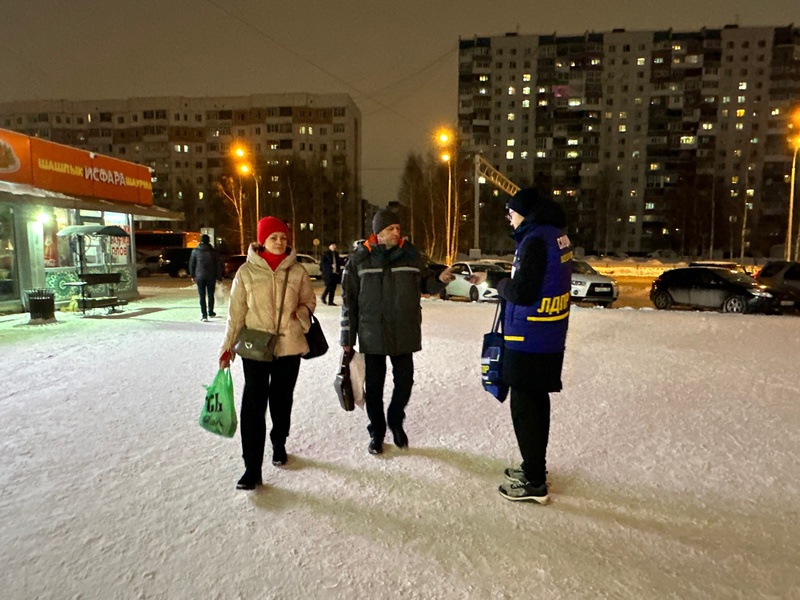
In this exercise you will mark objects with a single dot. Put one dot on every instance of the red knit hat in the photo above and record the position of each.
(269, 225)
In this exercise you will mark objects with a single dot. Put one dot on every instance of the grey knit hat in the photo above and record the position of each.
(382, 219)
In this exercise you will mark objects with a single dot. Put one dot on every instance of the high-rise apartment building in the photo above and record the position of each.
(187, 142)
(652, 139)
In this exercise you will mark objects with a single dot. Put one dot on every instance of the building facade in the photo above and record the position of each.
(652, 139)
(187, 143)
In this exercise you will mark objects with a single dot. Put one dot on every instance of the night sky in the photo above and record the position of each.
(397, 60)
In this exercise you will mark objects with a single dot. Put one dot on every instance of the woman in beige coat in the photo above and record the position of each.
(256, 294)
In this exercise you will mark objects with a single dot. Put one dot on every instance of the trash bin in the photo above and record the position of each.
(41, 303)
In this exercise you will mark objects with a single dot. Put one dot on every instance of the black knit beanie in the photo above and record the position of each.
(523, 201)
(382, 219)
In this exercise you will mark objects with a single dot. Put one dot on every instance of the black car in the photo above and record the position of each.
(717, 289)
(175, 261)
(231, 264)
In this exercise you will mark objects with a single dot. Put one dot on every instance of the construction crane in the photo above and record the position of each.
(496, 178)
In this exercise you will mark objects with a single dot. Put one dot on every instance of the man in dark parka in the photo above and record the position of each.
(536, 298)
(381, 287)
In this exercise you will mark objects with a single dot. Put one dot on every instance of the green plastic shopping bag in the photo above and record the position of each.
(219, 412)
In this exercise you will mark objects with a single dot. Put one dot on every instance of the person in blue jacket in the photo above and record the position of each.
(536, 299)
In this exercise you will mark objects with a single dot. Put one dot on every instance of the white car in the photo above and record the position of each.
(589, 286)
(503, 264)
(460, 286)
(311, 265)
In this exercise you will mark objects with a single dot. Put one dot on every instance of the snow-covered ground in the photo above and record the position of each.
(674, 460)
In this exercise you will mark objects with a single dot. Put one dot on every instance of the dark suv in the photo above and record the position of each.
(718, 289)
(175, 261)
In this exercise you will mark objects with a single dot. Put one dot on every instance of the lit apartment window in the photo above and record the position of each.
(542, 90)
(740, 126)
(742, 85)
(735, 179)
(526, 91)
(649, 205)
(635, 154)
(595, 61)
(574, 101)
(541, 154)
(523, 155)
(511, 91)
(664, 231)
(623, 128)
(556, 192)
(526, 104)
(655, 166)
(634, 193)
(510, 142)
(310, 130)
(509, 155)
(572, 142)
(740, 112)
(737, 153)
(572, 154)
(482, 91)
(623, 115)
(775, 112)
(631, 218)
(526, 77)
(510, 116)
(542, 102)
(677, 47)
(640, 61)
(177, 147)
(483, 78)
(658, 60)
(754, 140)
(708, 126)
(186, 148)
(200, 195)
(726, 99)
(740, 99)
(687, 139)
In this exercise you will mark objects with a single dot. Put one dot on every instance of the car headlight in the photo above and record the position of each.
(760, 294)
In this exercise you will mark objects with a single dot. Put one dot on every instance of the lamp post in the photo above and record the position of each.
(247, 170)
(796, 144)
(445, 139)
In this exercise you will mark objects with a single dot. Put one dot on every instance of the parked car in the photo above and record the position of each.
(783, 274)
(460, 286)
(311, 265)
(503, 264)
(718, 289)
(721, 264)
(147, 265)
(231, 264)
(590, 286)
(175, 261)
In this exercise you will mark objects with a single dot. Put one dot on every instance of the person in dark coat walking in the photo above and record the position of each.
(381, 289)
(536, 299)
(329, 265)
(205, 268)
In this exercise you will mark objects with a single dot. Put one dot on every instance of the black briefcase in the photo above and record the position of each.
(343, 385)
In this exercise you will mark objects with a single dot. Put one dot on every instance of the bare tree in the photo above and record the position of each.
(231, 189)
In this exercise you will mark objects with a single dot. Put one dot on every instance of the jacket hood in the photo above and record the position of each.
(547, 212)
(253, 257)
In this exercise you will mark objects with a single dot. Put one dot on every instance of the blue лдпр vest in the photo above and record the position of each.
(542, 327)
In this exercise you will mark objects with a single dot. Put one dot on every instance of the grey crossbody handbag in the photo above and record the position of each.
(254, 344)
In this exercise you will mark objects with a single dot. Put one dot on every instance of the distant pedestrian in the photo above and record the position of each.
(329, 265)
(536, 298)
(381, 290)
(269, 280)
(205, 268)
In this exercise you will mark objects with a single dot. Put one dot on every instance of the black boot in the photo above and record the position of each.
(249, 481)
(279, 455)
(400, 437)
(375, 446)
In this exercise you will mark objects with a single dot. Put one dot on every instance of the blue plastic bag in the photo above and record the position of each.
(492, 359)
(219, 411)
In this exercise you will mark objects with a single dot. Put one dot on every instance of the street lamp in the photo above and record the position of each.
(445, 140)
(796, 144)
(247, 170)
